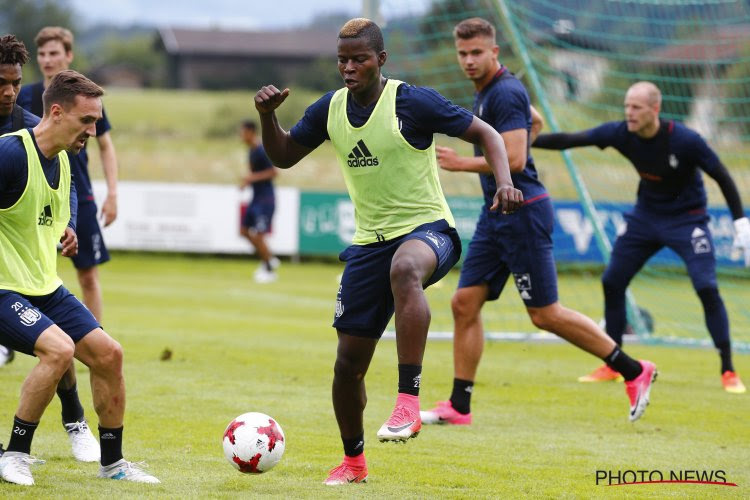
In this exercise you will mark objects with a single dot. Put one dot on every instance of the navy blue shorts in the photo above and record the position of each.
(258, 216)
(687, 235)
(518, 243)
(23, 318)
(91, 249)
(364, 304)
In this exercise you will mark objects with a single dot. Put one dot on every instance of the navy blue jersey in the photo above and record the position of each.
(505, 105)
(669, 164)
(29, 119)
(14, 173)
(421, 111)
(79, 164)
(259, 161)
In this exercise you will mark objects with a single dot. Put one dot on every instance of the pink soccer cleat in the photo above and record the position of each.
(351, 470)
(444, 413)
(639, 388)
(404, 422)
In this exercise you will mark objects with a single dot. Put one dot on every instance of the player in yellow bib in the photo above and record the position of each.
(38, 316)
(382, 131)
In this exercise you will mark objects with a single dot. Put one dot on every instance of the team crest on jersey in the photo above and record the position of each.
(523, 284)
(673, 162)
(28, 315)
(700, 241)
(339, 305)
(361, 156)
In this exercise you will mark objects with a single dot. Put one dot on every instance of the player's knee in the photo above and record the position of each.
(543, 318)
(405, 273)
(710, 298)
(87, 278)
(348, 369)
(463, 308)
(57, 353)
(108, 357)
(611, 284)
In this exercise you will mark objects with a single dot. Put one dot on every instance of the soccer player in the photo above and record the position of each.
(55, 54)
(13, 56)
(670, 211)
(38, 316)
(256, 222)
(382, 131)
(519, 244)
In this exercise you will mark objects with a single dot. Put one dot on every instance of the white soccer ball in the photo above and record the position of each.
(253, 443)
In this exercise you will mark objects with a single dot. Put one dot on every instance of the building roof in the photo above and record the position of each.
(296, 43)
(720, 45)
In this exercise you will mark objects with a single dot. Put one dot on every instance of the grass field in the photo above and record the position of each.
(240, 347)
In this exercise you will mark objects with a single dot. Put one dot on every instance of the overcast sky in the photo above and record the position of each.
(252, 14)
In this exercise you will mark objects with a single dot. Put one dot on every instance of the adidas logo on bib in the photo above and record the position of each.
(45, 217)
(361, 156)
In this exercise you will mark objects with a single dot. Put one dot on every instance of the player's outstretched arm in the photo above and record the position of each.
(279, 145)
(741, 223)
(562, 140)
(507, 198)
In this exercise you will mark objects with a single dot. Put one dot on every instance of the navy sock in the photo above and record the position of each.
(72, 411)
(355, 446)
(409, 378)
(23, 433)
(615, 315)
(717, 323)
(110, 441)
(624, 364)
(461, 395)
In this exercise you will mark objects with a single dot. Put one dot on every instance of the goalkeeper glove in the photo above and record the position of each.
(742, 238)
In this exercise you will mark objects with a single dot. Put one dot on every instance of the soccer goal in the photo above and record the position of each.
(577, 58)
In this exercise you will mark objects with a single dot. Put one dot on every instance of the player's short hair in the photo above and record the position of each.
(249, 125)
(472, 28)
(49, 33)
(361, 27)
(13, 51)
(66, 86)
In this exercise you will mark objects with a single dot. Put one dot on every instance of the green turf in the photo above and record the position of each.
(241, 347)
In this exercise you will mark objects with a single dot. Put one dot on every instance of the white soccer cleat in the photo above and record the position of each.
(15, 467)
(263, 275)
(274, 263)
(127, 471)
(84, 444)
(6, 355)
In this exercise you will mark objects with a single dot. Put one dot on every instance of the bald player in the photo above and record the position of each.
(670, 211)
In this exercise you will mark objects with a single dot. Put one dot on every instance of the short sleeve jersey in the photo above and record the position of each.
(260, 161)
(505, 105)
(79, 164)
(669, 164)
(421, 111)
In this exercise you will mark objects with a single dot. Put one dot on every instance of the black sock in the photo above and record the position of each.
(409, 377)
(267, 263)
(72, 411)
(624, 364)
(725, 353)
(20, 438)
(110, 441)
(355, 446)
(461, 395)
